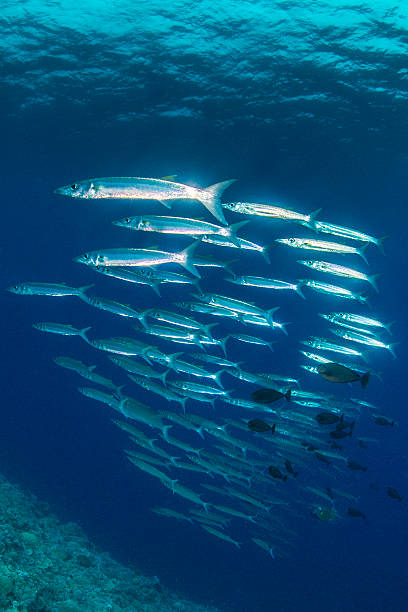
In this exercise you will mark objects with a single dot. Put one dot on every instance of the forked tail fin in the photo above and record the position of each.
(211, 198)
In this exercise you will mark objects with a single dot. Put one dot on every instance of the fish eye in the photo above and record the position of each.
(86, 256)
(291, 240)
(127, 219)
(74, 186)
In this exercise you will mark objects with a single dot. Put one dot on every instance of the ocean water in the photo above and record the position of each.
(306, 106)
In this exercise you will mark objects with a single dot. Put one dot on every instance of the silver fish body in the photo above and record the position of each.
(140, 257)
(140, 188)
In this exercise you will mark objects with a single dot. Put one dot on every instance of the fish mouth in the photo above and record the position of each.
(60, 191)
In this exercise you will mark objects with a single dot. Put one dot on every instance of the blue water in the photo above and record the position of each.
(306, 105)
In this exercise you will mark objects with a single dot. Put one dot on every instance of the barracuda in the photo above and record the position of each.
(238, 306)
(325, 345)
(51, 289)
(130, 276)
(265, 283)
(359, 319)
(245, 245)
(180, 225)
(321, 245)
(359, 330)
(123, 310)
(139, 188)
(366, 340)
(332, 290)
(85, 371)
(336, 270)
(62, 329)
(275, 212)
(140, 257)
(345, 232)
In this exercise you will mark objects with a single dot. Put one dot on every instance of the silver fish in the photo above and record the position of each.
(139, 188)
(332, 290)
(275, 212)
(140, 257)
(335, 269)
(52, 289)
(180, 225)
(322, 245)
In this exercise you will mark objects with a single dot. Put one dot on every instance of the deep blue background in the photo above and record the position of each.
(64, 447)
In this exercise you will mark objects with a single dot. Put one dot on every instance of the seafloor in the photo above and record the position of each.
(48, 566)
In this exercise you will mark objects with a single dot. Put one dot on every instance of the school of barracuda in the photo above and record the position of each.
(265, 448)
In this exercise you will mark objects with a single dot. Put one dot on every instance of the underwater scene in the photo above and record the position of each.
(204, 303)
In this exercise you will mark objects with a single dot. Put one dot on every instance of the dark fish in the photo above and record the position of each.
(381, 420)
(290, 469)
(322, 458)
(276, 473)
(362, 444)
(337, 434)
(267, 396)
(329, 492)
(334, 372)
(353, 465)
(260, 426)
(374, 487)
(394, 494)
(327, 418)
(308, 446)
(342, 424)
(355, 512)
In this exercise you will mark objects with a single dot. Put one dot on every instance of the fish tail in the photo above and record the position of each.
(163, 376)
(233, 229)
(211, 198)
(270, 346)
(380, 244)
(388, 326)
(269, 315)
(200, 432)
(223, 344)
(364, 379)
(165, 432)
(82, 333)
(156, 288)
(312, 218)
(373, 281)
(187, 258)
(217, 378)
(84, 289)
(265, 252)
(142, 318)
(182, 401)
(391, 348)
(273, 428)
(299, 291)
(207, 329)
(288, 395)
(361, 252)
(282, 327)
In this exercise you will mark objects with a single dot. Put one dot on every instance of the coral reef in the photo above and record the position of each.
(47, 566)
